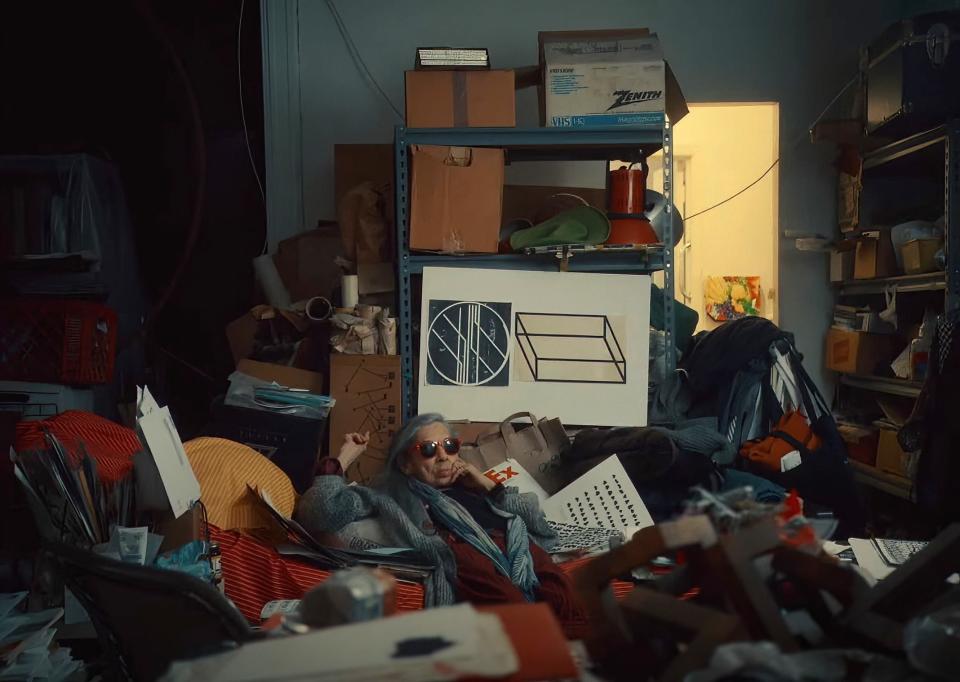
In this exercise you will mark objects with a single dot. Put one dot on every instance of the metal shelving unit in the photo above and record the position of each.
(915, 156)
(928, 281)
(532, 144)
(888, 483)
(900, 387)
(942, 142)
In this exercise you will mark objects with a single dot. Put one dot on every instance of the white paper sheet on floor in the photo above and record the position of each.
(443, 643)
(604, 497)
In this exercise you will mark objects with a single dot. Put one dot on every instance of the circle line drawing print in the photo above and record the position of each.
(468, 343)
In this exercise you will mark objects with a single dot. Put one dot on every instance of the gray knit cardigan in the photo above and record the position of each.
(331, 504)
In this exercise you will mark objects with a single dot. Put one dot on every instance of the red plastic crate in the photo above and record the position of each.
(57, 341)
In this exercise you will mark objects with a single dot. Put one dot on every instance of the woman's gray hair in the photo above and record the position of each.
(406, 436)
(392, 480)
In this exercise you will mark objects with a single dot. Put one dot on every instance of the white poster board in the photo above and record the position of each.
(574, 345)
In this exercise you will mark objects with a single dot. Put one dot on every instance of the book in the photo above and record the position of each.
(452, 58)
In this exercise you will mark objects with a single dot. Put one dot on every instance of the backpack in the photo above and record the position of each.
(762, 396)
(791, 434)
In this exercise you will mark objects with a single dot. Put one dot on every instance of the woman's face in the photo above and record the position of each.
(436, 471)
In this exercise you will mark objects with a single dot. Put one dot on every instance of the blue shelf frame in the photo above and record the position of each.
(532, 144)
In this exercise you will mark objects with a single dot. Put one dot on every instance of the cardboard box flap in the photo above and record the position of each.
(614, 49)
(291, 377)
(675, 105)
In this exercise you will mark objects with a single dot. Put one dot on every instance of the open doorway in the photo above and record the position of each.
(718, 150)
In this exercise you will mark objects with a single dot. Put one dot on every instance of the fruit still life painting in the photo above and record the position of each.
(732, 297)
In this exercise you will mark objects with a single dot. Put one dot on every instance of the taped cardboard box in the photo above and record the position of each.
(858, 352)
(460, 99)
(610, 77)
(874, 256)
(455, 199)
(367, 391)
(891, 458)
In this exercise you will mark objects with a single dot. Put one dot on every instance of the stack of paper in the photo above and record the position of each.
(66, 497)
(26, 640)
(444, 643)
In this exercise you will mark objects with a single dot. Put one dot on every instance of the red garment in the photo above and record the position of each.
(112, 446)
(479, 582)
(254, 574)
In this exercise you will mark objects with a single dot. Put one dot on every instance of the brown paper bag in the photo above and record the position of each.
(536, 448)
(366, 235)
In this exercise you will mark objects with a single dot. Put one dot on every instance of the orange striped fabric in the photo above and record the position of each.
(254, 574)
(225, 469)
(112, 446)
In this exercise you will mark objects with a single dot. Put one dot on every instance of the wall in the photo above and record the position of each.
(795, 52)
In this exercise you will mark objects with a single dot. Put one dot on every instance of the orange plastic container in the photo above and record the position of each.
(628, 187)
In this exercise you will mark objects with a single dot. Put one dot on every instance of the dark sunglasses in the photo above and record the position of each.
(429, 448)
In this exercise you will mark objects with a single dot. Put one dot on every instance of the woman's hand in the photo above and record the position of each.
(354, 445)
(471, 477)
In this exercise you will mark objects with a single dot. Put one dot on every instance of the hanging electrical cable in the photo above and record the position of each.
(243, 120)
(800, 138)
(358, 58)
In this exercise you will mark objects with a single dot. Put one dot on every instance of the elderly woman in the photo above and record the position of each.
(487, 542)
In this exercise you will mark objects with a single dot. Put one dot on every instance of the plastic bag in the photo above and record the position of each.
(932, 642)
(243, 393)
(192, 558)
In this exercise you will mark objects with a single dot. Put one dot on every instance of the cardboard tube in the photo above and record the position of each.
(318, 309)
(350, 290)
(270, 281)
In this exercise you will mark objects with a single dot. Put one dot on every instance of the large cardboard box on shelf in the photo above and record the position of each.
(874, 256)
(455, 199)
(460, 99)
(890, 456)
(606, 78)
(920, 255)
(368, 393)
(858, 352)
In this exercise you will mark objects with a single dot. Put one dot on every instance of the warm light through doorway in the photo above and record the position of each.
(718, 150)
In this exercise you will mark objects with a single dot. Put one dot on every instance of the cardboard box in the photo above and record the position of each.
(858, 352)
(263, 325)
(455, 199)
(861, 442)
(606, 78)
(874, 256)
(841, 261)
(368, 395)
(178, 531)
(460, 99)
(291, 377)
(919, 255)
(890, 457)
(307, 263)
